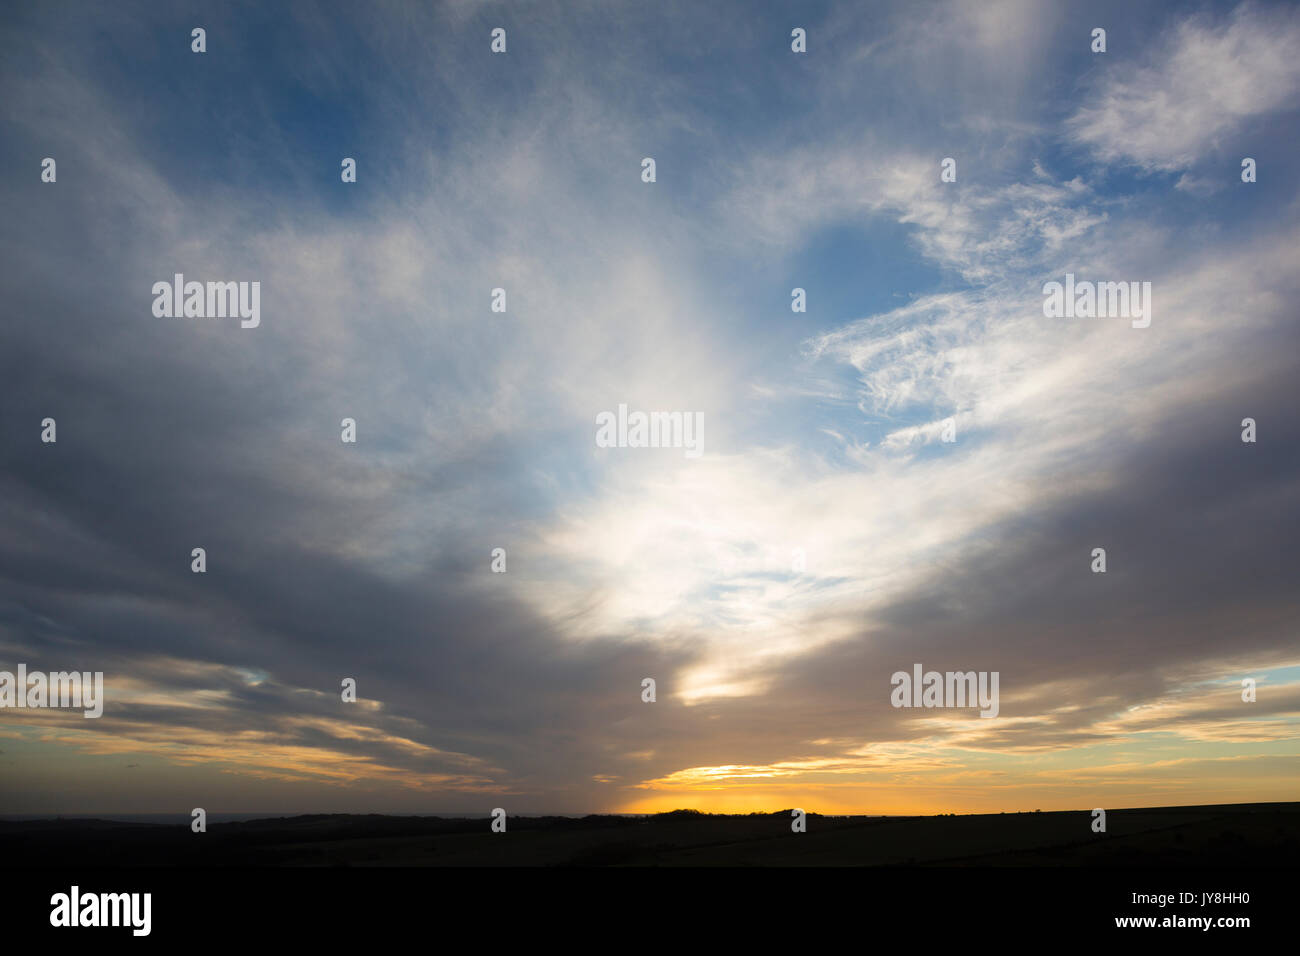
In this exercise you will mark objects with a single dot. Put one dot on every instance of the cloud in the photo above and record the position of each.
(476, 428)
(1201, 85)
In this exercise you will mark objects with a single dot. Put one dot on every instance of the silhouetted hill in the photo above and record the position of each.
(1251, 835)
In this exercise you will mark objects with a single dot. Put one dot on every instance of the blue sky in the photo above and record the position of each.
(775, 170)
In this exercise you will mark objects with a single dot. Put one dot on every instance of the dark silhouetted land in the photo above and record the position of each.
(1240, 835)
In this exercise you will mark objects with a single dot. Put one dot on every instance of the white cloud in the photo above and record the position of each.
(1198, 90)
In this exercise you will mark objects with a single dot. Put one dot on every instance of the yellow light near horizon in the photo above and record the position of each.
(766, 800)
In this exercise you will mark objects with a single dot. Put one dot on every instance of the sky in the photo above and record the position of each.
(823, 429)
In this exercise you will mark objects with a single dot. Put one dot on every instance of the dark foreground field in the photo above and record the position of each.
(1244, 835)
